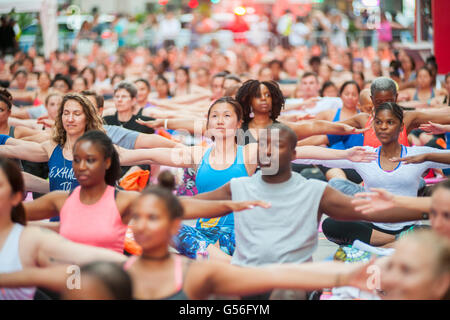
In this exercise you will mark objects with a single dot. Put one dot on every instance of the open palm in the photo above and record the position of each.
(359, 154)
(377, 200)
(434, 128)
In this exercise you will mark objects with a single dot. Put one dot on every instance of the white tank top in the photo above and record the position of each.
(10, 262)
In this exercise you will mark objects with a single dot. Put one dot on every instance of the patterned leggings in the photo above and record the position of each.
(188, 239)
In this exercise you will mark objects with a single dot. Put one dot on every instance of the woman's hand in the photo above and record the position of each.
(411, 159)
(359, 276)
(45, 121)
(360, 154)
(348, 129)
(434, 128)
(377, 200)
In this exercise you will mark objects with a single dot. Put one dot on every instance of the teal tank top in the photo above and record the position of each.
(209, 179)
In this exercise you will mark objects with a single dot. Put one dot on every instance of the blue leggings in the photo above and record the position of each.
(188, 239)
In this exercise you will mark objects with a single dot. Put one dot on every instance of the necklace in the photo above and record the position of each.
(166, 256)
(67, 183)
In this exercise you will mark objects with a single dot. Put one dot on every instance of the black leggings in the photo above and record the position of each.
(346, 232)
(351, 174)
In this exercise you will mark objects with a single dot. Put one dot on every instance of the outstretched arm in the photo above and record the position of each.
(24, 150)
(314, 141)
(35, 184)
(440, 157)
(46, 206)
(435, 128)
(197, 208)
(226, 279)
(356, 154)
(194, 126)
(216, 203)
(413, 119)
(173, 157)
(149, 141)
(53, 249)
(380, 199)
(339, 206)
(315, 127)
(53, 278)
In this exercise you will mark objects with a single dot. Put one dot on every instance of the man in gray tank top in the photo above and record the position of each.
(287, 231)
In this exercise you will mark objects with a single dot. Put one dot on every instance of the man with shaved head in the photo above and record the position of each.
(287, 231)
(365, 101)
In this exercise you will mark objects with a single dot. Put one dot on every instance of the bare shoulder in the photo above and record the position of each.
(326, 115)
(126, 196)
(197, 153)
(124, 200)
(250, 157)
(49, 146)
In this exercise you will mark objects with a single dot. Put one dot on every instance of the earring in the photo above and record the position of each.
(251, 115)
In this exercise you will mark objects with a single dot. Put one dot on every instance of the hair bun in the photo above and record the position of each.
(166, 180)
(4, 92)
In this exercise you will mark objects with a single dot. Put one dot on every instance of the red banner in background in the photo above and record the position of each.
(441, 30)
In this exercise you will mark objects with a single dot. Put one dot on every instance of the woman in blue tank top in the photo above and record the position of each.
(75, 117)
(216, 165)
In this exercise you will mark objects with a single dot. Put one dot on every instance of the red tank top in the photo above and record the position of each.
(371, 140)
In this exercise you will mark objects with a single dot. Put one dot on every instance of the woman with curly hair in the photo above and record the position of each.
(262, 102)
(75, 116)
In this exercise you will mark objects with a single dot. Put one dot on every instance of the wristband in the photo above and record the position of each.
(165, 123)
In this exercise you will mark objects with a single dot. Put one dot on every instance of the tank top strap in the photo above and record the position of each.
(337, 116)
(178, 272)
(127, 265)
(12, 129)
(239, 155)
(57, 152)
(10, 247)
(205, 158)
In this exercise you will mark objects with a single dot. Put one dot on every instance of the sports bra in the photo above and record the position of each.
(179, 294)
(416, 96)
(10, 262)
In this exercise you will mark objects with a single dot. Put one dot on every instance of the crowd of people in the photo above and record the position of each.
(207, 173)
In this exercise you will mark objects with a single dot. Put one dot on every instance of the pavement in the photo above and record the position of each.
(325, 248)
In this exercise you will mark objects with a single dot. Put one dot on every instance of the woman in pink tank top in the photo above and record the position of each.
(91, 213)
(94, 213)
